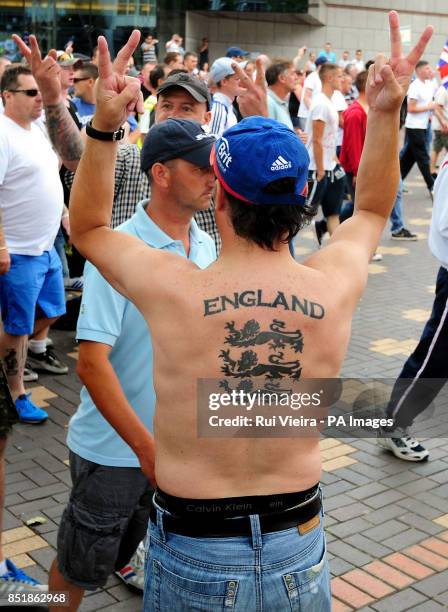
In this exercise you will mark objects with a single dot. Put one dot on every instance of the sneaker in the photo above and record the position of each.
(406, 448)
(16, 581)
(29, 375)
(29, 412)
(377, 257)
(404, 234)
(320, 228)
(133, 574)
(46, 361)
(74, 284)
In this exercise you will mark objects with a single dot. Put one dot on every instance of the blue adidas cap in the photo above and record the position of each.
(251, 157)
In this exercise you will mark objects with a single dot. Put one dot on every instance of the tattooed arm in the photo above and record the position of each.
(62, 130)
(64, 134)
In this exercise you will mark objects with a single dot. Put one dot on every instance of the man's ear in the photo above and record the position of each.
(160, 175)
(220, 197)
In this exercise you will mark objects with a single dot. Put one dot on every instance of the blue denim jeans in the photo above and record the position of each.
(396, 215)
(281, 571)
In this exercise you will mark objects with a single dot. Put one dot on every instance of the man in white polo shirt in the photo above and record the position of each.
(420, 106)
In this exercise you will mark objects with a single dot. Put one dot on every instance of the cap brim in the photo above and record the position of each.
(195, 94)
(74, 62)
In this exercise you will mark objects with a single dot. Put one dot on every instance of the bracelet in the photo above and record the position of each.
(3, 248)
(105, 136)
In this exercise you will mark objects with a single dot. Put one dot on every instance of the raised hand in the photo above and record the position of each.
(116, 93)
(253, 100)
(45, 71)
(388, 81)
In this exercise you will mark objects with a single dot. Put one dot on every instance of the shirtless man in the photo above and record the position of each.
(225, 488)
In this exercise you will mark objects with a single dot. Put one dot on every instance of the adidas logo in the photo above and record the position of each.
(281, 164)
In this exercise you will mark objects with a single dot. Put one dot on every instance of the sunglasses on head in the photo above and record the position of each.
(31, 93)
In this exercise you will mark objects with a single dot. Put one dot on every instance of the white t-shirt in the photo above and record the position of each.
(441, 99)
(314, 83)
(31, 196)
(340, 105)
(324, 110)
(422, 92)
(438, 233)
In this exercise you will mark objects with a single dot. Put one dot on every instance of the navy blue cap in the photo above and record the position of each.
(176, 139)
(321, 60)
(236, 52)
(254, 154)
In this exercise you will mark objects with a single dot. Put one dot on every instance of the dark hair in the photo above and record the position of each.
(369, 63)
(178, 71)
(278, 66)
(171, 57)
(264, 224)
(420, 64)
(326, 68)
(89, 70)
(11, 76)
(156, 74)
(361, 80)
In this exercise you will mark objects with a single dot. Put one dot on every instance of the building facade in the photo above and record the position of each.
(275, 27)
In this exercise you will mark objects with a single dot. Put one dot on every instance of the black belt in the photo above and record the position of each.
(217, 527)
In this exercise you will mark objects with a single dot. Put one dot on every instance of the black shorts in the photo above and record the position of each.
(105, 520)
(328, 192)
(8, 412)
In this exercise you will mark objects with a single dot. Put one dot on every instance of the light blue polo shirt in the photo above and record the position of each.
(107, 317)
(278, 109)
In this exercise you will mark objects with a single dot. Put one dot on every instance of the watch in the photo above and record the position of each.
(107, 136)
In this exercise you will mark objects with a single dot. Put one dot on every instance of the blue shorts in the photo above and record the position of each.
(33, 288)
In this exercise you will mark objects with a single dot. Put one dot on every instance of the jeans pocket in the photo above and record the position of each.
(174, 593)
(309, 589)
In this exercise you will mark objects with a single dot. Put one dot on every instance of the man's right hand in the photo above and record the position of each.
(5, 261)
(320, 175)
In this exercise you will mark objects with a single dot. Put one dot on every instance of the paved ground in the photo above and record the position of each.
(387, 521)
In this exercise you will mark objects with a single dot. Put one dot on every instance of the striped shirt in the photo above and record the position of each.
(223, 116)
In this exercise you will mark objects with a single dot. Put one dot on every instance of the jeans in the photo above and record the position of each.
(59, 244)
(396, 215)
(281, 571)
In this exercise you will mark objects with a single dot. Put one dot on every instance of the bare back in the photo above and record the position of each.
(192, 330)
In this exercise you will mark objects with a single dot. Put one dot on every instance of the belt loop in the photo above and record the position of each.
(257, 542)
(160, 525)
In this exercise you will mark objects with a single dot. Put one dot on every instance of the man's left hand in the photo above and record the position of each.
(45, 71)
(116, 94)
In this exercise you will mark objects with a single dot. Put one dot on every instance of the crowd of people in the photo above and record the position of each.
(200, 161)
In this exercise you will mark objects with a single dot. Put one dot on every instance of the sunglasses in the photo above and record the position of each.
(79, 79)
(31, 93)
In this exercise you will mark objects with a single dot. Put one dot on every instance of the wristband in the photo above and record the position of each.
(3, 248)
(105, 136)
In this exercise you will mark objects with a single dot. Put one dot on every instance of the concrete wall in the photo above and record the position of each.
(347, 26)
